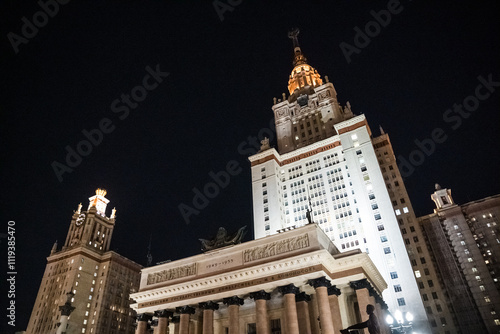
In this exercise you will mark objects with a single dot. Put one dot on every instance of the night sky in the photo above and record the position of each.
(222, 76)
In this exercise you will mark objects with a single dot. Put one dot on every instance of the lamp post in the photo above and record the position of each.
(401, 323)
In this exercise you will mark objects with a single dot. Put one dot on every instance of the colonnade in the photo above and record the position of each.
(296, 310)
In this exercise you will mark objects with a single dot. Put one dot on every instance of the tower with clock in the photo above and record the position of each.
(98, 280)
(92, 227)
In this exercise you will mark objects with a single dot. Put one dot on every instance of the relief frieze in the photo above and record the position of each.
(171, 274)
(276, 248)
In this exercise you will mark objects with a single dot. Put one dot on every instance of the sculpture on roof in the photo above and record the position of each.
(222, 239)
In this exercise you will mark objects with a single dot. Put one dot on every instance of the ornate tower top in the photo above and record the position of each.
(302, 75)
(442, 198)
(99, 201)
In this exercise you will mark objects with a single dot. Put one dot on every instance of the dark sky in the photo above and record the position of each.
(222, 78)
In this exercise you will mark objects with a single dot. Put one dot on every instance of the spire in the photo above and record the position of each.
(298, 58)
(54, 248)
(382, 132)
(149, 256)
(302, 75)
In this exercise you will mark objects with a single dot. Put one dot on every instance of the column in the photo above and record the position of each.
(363, 296)
(321, 285)
(260, 298)
(208, 316)
(233, 306)
(163, 316)
(292, 324)
(301, 301)
(142, 323)
(333, 296)
(185, 311)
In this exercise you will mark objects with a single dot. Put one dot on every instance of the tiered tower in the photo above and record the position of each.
(98, 280)
(326, 164)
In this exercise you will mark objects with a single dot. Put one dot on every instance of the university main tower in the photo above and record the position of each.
(330, 170)
(86, 287)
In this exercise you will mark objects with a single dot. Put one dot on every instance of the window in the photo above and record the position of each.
(424, 297)
(428, 309)
(397, 288)
(431, 284)
(434, 295)
(380, 227)
(387, 250)
(407, 241)
(275, 326)
(251, 328)
(398, 212)
(412, 229)
(377, 217)
(403, 231)
(394, 274)
(421, 285)
(402, 200)
(438, 308)
(422, 260)
(414, 263)
(405, 209)
(401, 302)
(383, 238)
(426, 271)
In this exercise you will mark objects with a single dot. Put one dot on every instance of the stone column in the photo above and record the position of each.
(233, 306)
(260, 298)
(185, 311)
(301, 301)
(292, 324)
(153, 327)
(163, 317)
(142, 323)
(208, 316)
(333, 296)
(321, 285)
(363, 296)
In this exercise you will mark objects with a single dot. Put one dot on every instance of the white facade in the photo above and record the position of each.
(328, 160)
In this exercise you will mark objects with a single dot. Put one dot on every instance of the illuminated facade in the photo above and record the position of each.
(101, 280)
(464, 242)
(326, 170)
(292, 282)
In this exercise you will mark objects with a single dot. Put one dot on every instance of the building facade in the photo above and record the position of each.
(464, 241)
(101, 280)
(326, 170)
(292, 282)
(442, 319)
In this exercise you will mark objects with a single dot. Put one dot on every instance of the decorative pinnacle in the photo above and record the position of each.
(293, 36)
(101, 192)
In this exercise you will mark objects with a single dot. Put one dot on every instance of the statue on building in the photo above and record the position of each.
(264, 144)
(222, 239)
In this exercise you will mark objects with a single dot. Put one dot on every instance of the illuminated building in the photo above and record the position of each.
(464, 242)
(292, 282)
(326, 170)
(100, 279)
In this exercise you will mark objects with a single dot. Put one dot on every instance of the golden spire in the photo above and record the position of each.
(302, 74)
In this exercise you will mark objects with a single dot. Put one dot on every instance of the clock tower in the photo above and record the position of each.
(99, 280)
(92, 228)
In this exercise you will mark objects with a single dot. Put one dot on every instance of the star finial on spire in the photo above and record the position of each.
(298, 58)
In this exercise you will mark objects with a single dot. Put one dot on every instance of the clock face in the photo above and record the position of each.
(80, 219)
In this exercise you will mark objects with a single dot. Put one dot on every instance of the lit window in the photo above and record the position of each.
(481, 287)
(487, 299)
(354, 136)
(478, 278)
(469, 259)
(474, 270)
(405, 209)
(398, 212)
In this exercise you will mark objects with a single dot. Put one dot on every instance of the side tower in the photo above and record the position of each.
(326, 171)
(99, 281)
(463, 240)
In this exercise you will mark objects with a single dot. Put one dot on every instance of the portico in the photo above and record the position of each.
(295, 282)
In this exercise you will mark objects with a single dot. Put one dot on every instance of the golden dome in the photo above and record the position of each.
(303, 75)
